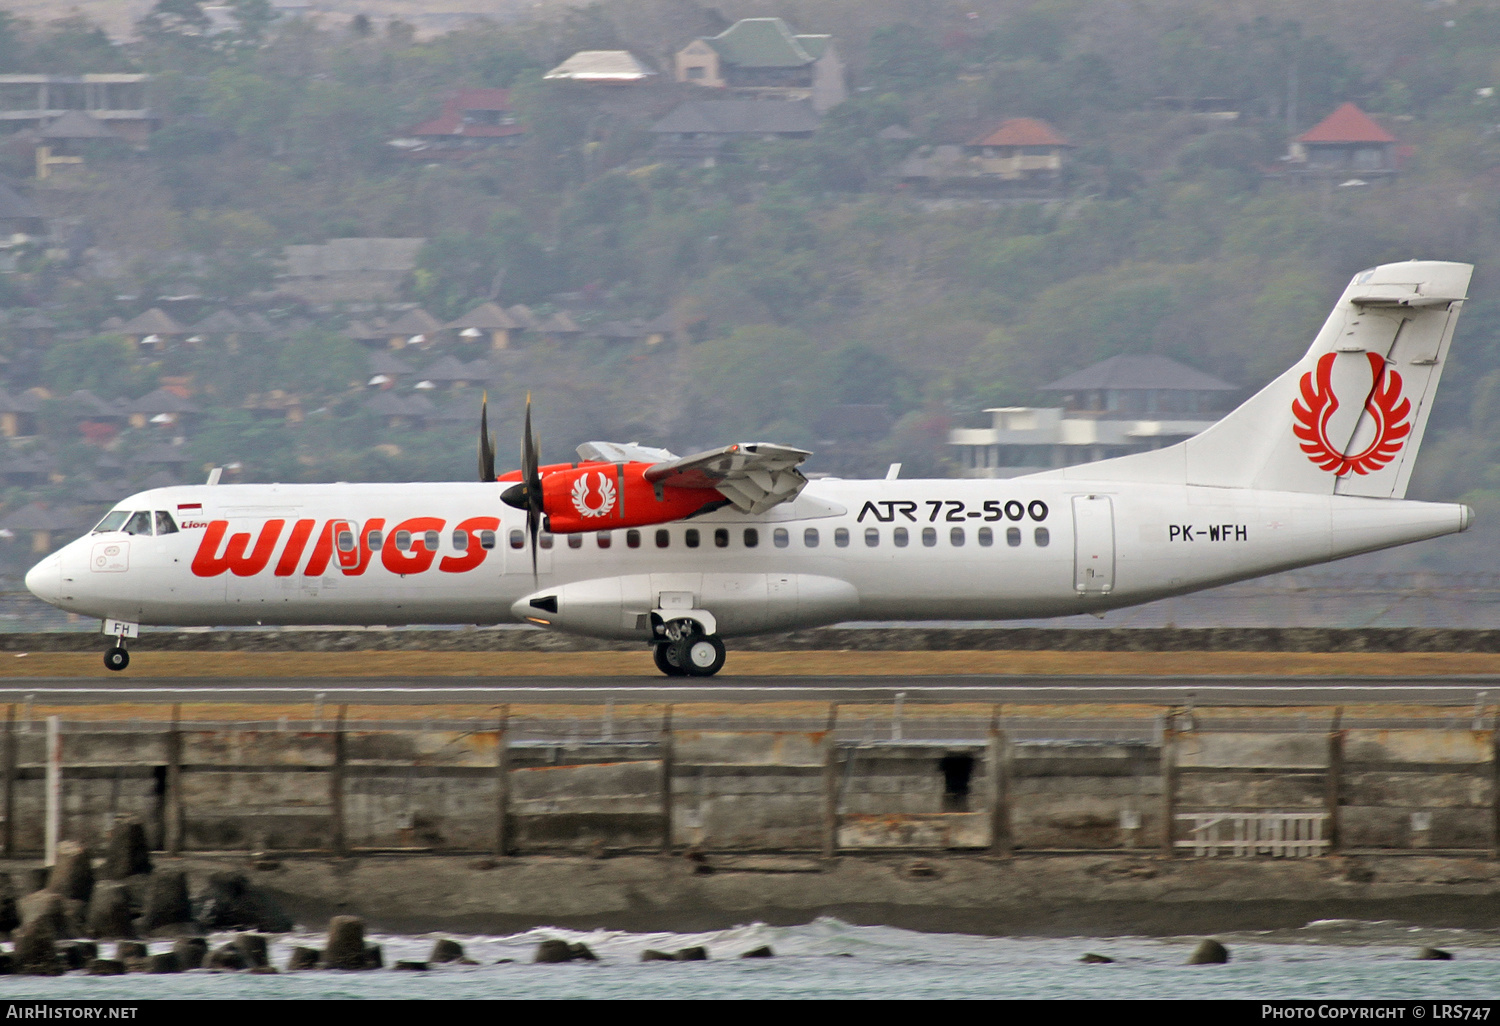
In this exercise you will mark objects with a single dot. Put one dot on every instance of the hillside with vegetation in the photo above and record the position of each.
(797, 276)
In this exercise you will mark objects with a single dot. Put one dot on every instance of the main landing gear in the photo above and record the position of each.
(688, 652)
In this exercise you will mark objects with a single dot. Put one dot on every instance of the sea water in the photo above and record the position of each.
(828, 958)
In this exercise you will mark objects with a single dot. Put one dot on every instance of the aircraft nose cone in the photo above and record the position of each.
(45, 579)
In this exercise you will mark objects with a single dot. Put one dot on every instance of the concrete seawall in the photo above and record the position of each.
(895, 639)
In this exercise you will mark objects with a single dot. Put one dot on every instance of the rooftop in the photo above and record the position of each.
(601, 66)
(1022, 132)
(764, 43)
(1348, 124)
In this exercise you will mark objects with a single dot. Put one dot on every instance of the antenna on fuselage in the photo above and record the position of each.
(214, 475)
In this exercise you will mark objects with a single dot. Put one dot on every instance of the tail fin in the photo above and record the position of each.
(1349, 417)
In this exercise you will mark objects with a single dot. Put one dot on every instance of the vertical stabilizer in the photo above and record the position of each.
(1349, 417)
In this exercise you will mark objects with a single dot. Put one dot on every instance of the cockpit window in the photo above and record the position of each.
(164, 523)
(113, 521)
(139, 523)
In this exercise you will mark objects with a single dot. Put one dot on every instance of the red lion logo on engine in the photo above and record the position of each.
(1384, 405)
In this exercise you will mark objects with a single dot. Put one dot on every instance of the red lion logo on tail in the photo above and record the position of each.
(1384, 404)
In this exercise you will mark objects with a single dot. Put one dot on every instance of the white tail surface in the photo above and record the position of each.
(1349, 417)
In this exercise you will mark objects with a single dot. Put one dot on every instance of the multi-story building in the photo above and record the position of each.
(1125, 404)
(762, 58)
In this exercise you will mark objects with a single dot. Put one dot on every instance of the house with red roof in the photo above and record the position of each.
(1346, 142)
(1019, 158)
(472, 120)
(1020, 149)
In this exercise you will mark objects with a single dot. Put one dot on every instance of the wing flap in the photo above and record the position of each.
(753, 476)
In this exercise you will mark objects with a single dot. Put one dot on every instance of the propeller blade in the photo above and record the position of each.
(531, 473)
(486, 442)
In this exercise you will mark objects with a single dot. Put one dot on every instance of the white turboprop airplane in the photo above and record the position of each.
(680, 553)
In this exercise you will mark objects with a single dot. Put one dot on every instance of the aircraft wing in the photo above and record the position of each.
(753, 476)
(623, 452)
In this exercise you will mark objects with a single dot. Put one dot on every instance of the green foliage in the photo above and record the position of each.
(104, 364)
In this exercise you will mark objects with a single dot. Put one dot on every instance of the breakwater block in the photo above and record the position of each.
(1209, 952)
(126, 951)
(190, 952)
(231, 902)
(252, 947)
(36, 950)
(697, 953)
(446, 950)
(126, 853)
(109, 915)
(652, 955)
(166, 902)
(1089, 958)
(72, 874)
(346, 944)
(409, 965)
(59, 914)
(562, 951)
(764, 951)
(1433, 955)
(163, 962)
(227, 956)
(303, 958)
(106, 967)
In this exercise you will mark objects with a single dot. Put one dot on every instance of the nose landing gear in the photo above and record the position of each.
(116, 658)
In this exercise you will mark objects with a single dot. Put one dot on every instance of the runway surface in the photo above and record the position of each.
(585, 690)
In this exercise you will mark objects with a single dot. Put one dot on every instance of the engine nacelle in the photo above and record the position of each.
(608, 496)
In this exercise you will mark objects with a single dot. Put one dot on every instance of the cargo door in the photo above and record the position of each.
(1093, 544)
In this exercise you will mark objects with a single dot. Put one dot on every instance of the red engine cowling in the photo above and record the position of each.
(608, 496)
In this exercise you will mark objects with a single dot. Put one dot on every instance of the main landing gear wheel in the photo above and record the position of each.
(116, 658)
(700, 655)
(665, 659)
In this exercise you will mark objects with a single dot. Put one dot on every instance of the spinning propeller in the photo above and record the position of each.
(528, 494)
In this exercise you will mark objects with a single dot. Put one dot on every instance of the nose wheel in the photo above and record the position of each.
(116, 658)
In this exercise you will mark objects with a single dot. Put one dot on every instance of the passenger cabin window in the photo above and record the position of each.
(690, 538)
(461, 540)
(841, 537)
(721, 537)
(139, 523)
(346, 541)
(633, 539)
(956, 537)
(752, 537)
(1043, 537)
(986, 537)
(810, 537)
(899, 536)
(432, 540)
(545, 540)
(603, 539)
(113, 521)
(663, 538)
(374, 539)
(517, 539)
(403, 541)
(781, 538)
(872, 536)
(929, 536)
(164, 523)
(1013, 537)
(486, 540)
(575, 541)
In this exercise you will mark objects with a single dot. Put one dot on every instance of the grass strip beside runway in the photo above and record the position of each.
(812, 663)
